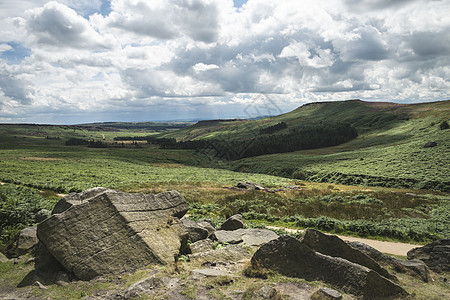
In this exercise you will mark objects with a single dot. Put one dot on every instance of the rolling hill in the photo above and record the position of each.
(388, 149)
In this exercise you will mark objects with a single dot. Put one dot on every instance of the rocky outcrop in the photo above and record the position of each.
(230, 253)
(248, 185)
(103, 231)
(371, 252)
(435, 255)
(233, 223)
(333, 246)
(293, 258)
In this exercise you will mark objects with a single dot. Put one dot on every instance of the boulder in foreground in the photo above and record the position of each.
(290, 257)
(435, 255)
(103, 231)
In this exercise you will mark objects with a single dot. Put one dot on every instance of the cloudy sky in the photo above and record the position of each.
(75, 61)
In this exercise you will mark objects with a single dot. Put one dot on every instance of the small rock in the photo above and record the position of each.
(31, 260)
(196, 231)
(201, 246)
(143, 287)
(325, 293)
(417, 266)
(226, 237)
(230, 253)
(27, 239)
(266, 292)
(40, 285)
(210, 272)
(430, 145)
(207, 224)
(233, 223)
(250, 186)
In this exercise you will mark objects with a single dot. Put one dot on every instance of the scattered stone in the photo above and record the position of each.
(226, 237)
(435, 255)
(47, 267)
(325, 293)
(210, 272)
(371, 252)
(3, 258)
(416, 266)
(207, 224)
(230, 253)
(249, 237)
(40, 285)
(255, 237)
(290, 257)
(430, 145)
(109, 232)
(196, 231)
(334, 246)
(143, 287)
(30, 260)
(233, 223)
(266, 292)
(27, 239)
(201, 246)
(41, 215)
(250, 186)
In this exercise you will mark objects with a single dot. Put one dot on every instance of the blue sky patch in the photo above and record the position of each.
(16, 54)
(239, 3)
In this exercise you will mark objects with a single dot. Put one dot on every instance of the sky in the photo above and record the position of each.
(79, 61)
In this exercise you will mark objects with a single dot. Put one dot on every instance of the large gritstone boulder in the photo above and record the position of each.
(333, 246)
(435, 255)
(290, 257)
(103, 231)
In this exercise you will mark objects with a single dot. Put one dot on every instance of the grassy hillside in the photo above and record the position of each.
(388, 150)
(391, 153)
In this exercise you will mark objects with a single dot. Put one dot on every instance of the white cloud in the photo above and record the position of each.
(201, 67)
(182, 57)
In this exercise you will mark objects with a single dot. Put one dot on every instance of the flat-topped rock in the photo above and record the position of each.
(102, 231)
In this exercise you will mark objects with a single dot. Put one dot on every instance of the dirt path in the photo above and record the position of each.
(382, 246)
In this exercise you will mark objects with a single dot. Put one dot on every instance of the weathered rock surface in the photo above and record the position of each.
(266, 292)
(103, 231)
(78, 198)
(333, 246)
(201, 246)
(230, 253)
(435, 255)
(143, 286)
(196, 231)
(211, 272)
(325, 293)
(207, 224)
(248, 185)
(233, 223)
(249, 237)
(27, 239)
(293, 258)
(416, 266)
(371, 252)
